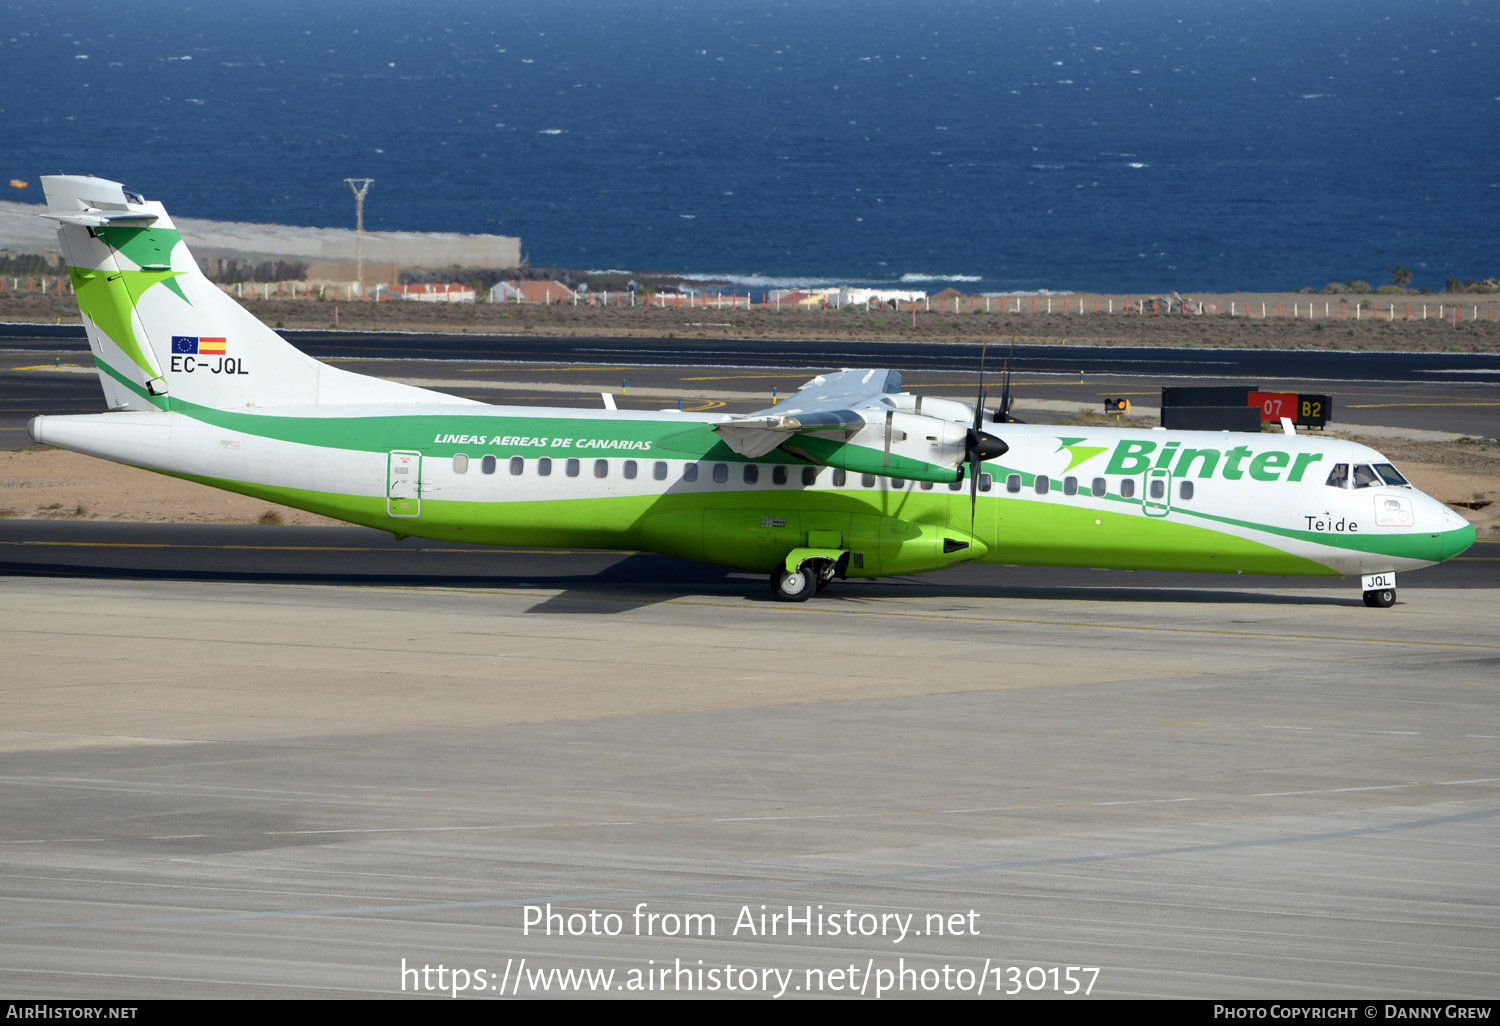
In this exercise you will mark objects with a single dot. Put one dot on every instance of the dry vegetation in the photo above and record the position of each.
(1433, 334)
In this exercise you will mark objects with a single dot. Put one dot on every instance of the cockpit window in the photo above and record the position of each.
(1365, 476)
(1338, 477)
(1389, 474)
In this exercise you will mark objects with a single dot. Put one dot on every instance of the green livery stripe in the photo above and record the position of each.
(1057, 534)
(161, 402)
(1027, 532)
(1414, 545)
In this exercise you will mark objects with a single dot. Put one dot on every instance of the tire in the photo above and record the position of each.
(794, 586)
(1381, 598)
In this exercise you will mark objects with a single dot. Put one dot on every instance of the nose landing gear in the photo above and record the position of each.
(1379, 589)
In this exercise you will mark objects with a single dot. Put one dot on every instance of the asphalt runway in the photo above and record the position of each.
(365, 557)
(220, 789)
(1446, 392)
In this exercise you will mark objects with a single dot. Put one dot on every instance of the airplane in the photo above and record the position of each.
(849, 477)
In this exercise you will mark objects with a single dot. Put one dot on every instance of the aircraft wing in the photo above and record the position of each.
(845, 402)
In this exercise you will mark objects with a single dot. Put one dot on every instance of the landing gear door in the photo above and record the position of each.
(403, 484)
(1158, 498)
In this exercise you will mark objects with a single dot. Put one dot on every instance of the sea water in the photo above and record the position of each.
(1031, 145)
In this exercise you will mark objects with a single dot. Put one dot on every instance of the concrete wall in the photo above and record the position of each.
(22, 231)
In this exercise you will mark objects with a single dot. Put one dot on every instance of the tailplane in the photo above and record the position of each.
(163, 336)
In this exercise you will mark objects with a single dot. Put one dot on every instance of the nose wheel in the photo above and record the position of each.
(1381, 598)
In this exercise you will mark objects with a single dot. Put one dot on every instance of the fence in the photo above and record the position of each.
(1161, 306)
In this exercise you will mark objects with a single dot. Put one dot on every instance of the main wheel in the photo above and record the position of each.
(794, 585)
(1381, 598)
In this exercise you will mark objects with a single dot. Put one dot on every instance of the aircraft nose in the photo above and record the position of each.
(1458, 534)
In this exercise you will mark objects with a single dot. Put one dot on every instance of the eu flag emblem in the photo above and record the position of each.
(184, 344)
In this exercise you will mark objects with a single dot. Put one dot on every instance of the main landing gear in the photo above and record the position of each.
(813, 574)
(793, 585)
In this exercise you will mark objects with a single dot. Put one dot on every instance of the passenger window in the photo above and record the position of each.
(1185, 490)
(601, 468)
(659, 470)
(778, 474)
(630, 470)
(690, 472)
(1390, 474)
(1365, 477)
(460, 464)
(986, 482)
(1158, 488)
(1070, 486)
(868, 480)
(1013, 483)
(752, 473)
(1338, 477)
(926, 486)
(487, 465)
(517, 466)
(1043, 484)
(839, 477)
(1127, 488)
(721, 472)
(544, 466)
(809, 475)
(956, 485)
(1098, 487)
(572, 468)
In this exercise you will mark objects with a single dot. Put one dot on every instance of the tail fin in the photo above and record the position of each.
(163, 335)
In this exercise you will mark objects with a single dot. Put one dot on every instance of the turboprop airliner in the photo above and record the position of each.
(848, 477)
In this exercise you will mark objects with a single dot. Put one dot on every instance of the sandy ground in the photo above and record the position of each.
(53, 484)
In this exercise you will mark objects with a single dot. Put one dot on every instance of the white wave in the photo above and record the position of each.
(552, 131)
(1029, 292)
(1137, 164)
(754, 280)
(80, 56)
(912, 276)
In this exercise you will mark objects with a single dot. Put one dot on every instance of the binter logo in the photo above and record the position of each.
(1136, 456)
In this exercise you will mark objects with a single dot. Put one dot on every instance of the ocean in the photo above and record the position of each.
(1004, 146)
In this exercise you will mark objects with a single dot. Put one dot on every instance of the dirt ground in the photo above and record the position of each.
(1338, 329)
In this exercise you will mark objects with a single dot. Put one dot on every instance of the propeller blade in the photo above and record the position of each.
(979, 401)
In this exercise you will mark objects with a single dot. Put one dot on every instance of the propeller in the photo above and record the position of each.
(1002, 415)
(980, 445)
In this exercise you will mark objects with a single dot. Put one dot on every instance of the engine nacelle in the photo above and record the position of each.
(928, 406)
(900, 445)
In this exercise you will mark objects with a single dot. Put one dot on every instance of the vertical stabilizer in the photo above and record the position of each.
(165, 337)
